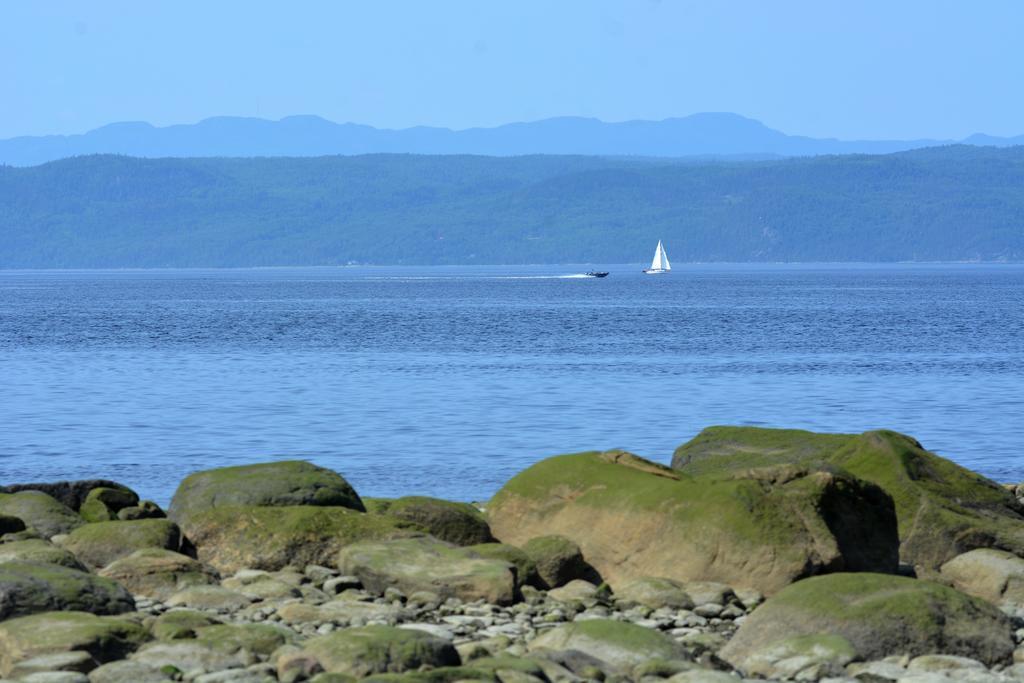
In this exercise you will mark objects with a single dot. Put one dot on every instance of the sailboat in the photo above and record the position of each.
(660, 263)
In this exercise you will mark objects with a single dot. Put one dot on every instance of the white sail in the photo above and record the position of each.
(656, 263)
(660, 263)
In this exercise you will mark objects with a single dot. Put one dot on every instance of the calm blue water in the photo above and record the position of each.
(446, 381)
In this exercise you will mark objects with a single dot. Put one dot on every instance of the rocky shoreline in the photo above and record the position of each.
(760, 554)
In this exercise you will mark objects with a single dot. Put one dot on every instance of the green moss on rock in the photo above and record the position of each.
(31, 587)
(158, 573)
(526, 568)
(284, 483)
(878, 615)
(103, 503)
(943, 510)
(362, 652)
(458, 523)
(763, 531)
(180, 624)
(40, 511)
(105, 638)
(559, 560)
(620, 645)
(428, 564)
(654, 592)
(38, 550)
(100, 543)
(271, 538)
(260, 639)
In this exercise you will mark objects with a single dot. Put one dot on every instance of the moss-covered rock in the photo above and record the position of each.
(69, 493)
(100, 543)
(285, 483)
(40, 511)
(31, 587)
(428, 564)
(943, 509)
(233, 538)
(987, 573)
(189, 655)
(209, 598)
(63, 662)
(634, 518)
(38, 550)
(802, 658)
(158, 573)
(127, 671)
(180, 624)
(559, 560)
(337, 610)
(654, 592)
(104, 638)
(877, 615)
(526, 568)
(618, 644)
(259, 639)
(361, 652)
(103, 503)
(458, 523)
(146, 509)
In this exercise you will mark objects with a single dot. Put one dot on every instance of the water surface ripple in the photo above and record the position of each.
(446, 381)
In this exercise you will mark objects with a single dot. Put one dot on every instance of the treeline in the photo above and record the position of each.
(943, 203)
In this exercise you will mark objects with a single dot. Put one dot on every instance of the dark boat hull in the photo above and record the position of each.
(597, 274)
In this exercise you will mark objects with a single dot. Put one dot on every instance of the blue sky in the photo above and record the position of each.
(827, 68)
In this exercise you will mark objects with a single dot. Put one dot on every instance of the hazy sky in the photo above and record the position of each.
(842, 68)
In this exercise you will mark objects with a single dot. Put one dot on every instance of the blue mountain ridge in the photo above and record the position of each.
(705, 134)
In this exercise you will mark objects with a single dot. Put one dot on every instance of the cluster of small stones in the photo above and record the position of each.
(476, 629)
(479, 629)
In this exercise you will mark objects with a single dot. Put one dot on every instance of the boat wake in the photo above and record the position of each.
(411, 278)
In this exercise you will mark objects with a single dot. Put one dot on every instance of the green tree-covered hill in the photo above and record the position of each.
(941, 203)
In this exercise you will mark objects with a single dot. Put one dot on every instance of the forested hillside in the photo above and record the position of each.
(943, 203)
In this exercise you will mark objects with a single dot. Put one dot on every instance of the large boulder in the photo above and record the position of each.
(619, 645)
(38, 550)
(158, 573)
(271, 538)
(30, 587)
(42, 512)
(868, 616)
(100, 543)
(762, 530)
(994, 575)
(427, 564)
(943, 510)
(458, 523)
(69, 493)
(104, 638)
(284, 483)
(362, 652)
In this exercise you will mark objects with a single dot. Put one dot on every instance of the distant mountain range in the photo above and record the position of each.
(709, 135)
(953, 203)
